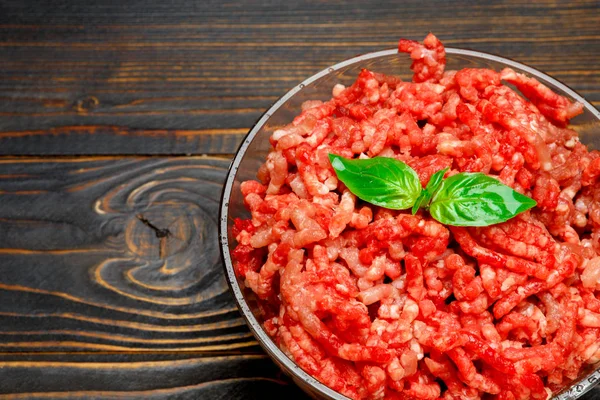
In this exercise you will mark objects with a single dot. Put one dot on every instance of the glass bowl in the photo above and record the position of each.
(255, 147)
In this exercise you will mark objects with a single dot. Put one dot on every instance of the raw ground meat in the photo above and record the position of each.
(381, 304)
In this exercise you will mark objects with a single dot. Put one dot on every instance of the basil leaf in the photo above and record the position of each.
(385, 182)
(432, 186)
(475, 199)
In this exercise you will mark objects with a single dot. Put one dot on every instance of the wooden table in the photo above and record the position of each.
(117, 123)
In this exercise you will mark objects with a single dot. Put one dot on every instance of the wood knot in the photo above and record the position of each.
(158, 233)
(165, 210)
(86, 104)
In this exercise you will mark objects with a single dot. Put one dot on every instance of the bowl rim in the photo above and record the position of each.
(583, 385)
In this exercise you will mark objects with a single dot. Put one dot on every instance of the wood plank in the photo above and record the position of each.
(144, 376)
(112, 78)
(110, 140)
(114, 254)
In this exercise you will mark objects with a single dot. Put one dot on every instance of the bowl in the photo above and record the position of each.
(256, 146)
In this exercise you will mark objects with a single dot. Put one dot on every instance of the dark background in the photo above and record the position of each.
(117, 122)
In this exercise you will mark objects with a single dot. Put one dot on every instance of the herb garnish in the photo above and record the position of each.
(464, 199)
(384, 182)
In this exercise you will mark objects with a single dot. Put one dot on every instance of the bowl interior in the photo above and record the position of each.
(256, 146)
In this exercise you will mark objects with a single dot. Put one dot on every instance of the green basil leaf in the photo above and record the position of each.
(385, 182)
(475, 199)
(432, 186)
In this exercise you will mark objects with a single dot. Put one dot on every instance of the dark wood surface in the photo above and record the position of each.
(117, 123)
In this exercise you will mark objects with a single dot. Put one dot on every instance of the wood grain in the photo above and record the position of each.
(144, 376)
(114, 254)
(178, 78)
